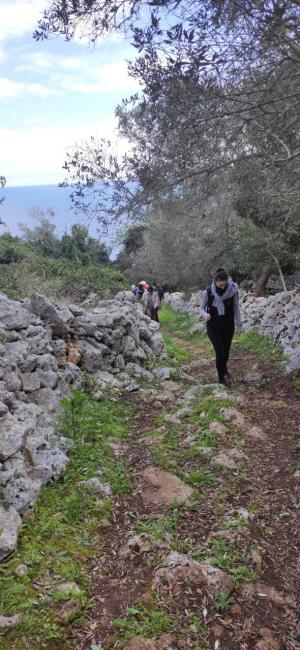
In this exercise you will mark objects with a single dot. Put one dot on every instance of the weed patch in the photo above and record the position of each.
(141, 621)
(260, 345)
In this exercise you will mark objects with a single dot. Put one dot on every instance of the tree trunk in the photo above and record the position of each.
(280, 274)
(260, 284)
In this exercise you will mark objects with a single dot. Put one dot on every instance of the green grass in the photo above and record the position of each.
(175, 352)
(163, 529)
(260, 345)
(200, 477)
(142, 621)
(158, 528)
(175, 325)
(58, 542)
(230, 558)
(176, 321)
(296, 384)
(223, 601)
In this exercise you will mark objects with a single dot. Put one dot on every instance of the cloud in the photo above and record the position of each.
(108, 78)
(34, 155)
(46, 61)
(12, 89)
(20, 16)
(75, 74)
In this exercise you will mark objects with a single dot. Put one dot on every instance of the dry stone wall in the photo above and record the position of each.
(277, 317)
(44, 349)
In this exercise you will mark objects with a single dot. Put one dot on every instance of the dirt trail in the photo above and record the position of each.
(242, 520)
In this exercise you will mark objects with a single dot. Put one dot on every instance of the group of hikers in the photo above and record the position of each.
(219, 308)
(151, 295)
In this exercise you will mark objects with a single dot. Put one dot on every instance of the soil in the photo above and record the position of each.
(270, 541)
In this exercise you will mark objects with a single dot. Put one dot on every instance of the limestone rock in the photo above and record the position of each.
(181, 569)
(163, 373)
(261, 590)
(95, 485)
(21, 570)
(217, 581)
(138, 371)
(139, 544)
(12, 381)
(234, 416)
(22, 493)
(68, 588)
(8, 622)
(256, 433)
(3, 409)
(105, 378)
(218, 427)
(162, 488)
(68, 611)
(92, 356)
(157, 344)
(12, 315)
(58, 316)
(164, 642)
(229, 458)
(46, 398)
(12, 435)
(47, 378)
(10, 524)
(48, 462)
(30, 381)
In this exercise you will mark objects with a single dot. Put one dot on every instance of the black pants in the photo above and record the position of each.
(221, 340)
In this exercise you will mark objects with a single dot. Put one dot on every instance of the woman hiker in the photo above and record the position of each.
(221, 312)
(149, 299)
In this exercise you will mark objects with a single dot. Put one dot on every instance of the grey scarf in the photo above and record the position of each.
(231, 290)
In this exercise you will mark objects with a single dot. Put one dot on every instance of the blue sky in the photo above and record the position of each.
(53, 94)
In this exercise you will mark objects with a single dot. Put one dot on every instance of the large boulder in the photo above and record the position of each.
(12, 435)
(58, 316)
(22, 493)
(13, 315)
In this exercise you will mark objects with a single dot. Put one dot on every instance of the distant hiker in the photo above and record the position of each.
(150, 300)
(159, 296)
(221, 312)
(141, 286)
(159, 289)
(135, 290)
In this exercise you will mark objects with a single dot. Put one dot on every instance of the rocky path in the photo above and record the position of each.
(199, 549)
(204, 551)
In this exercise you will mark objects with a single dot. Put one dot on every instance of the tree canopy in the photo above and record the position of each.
(218, 107)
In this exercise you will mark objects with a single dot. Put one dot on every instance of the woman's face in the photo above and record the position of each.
(221, 284)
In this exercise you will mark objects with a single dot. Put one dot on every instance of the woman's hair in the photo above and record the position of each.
(221, 275)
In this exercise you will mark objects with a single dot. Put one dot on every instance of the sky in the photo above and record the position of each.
(53, 94)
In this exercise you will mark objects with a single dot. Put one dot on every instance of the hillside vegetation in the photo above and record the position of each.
(68, 268)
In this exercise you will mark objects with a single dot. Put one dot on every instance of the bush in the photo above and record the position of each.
(59, 279)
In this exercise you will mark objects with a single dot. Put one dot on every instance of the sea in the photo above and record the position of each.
(21, 204)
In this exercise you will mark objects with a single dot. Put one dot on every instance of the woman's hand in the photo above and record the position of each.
(207, 317)
(238, 331)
